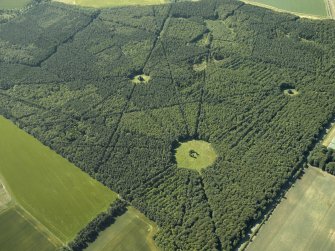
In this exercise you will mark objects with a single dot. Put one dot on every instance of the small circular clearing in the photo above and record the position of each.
(291, 92)
(200, 67)
(195, 154)
(141, 79)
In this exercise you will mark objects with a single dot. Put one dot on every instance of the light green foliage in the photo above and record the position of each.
(13, 4)
(54, 191)
(304, 220)
(17, 233)
(131, 231)
(291, 92)
(195, 154)
(141, 79)
(307, 7)
(200, 67)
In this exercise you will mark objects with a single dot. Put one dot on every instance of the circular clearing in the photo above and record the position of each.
(195, 154)
(291, 92)
(200, 67)
(141, 79)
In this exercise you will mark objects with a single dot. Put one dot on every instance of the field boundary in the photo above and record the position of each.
(38, 226)
(330, 6)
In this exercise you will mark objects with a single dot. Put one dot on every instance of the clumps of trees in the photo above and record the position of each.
(101, 222)
(323, 158)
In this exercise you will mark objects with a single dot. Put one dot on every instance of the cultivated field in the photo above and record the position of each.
(18, 234)
(131, 231)
(111, 3)
(4, 197)
(304, 220)
(11, 4)
(59, 195)
(312, 8)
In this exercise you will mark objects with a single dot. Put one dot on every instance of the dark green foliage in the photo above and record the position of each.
(323, 158)
(217, 72)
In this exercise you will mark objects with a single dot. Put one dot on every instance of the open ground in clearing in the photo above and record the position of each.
(141, 79)
(291, 92)
(131, 231)
(304, 220)
(195, 154)
(55, 192)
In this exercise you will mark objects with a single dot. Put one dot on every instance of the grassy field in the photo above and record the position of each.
(304, 220)
(315, 8)
(131, 231)
(141, 79)
(55, 192)
(19, 234)
(13, 4)
(195, 154)
(4, 197)
(111, 3)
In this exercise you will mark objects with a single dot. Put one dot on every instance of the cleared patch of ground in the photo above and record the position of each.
(291, 92)
(304, 220)
(200, 67)
(111, 3)
(51, 189)
(303, 8)
(18, 233)
(131, 231)
(330, 137)
(195, 154)
(141, 79)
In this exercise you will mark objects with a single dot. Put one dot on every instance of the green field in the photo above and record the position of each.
(111, 3)
(304, 7)
(19, 234)
(59, 195)
(203, 155)
(304, 220)
(4, 197)
(13, 4)
(131, 231)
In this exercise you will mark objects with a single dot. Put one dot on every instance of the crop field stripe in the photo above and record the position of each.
(19, 233)
(45, 167)
(303, 220)
(38, 226)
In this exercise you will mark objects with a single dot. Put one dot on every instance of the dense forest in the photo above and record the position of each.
(218, 72)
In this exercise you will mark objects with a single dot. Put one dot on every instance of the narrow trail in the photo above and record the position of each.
(106, 155)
